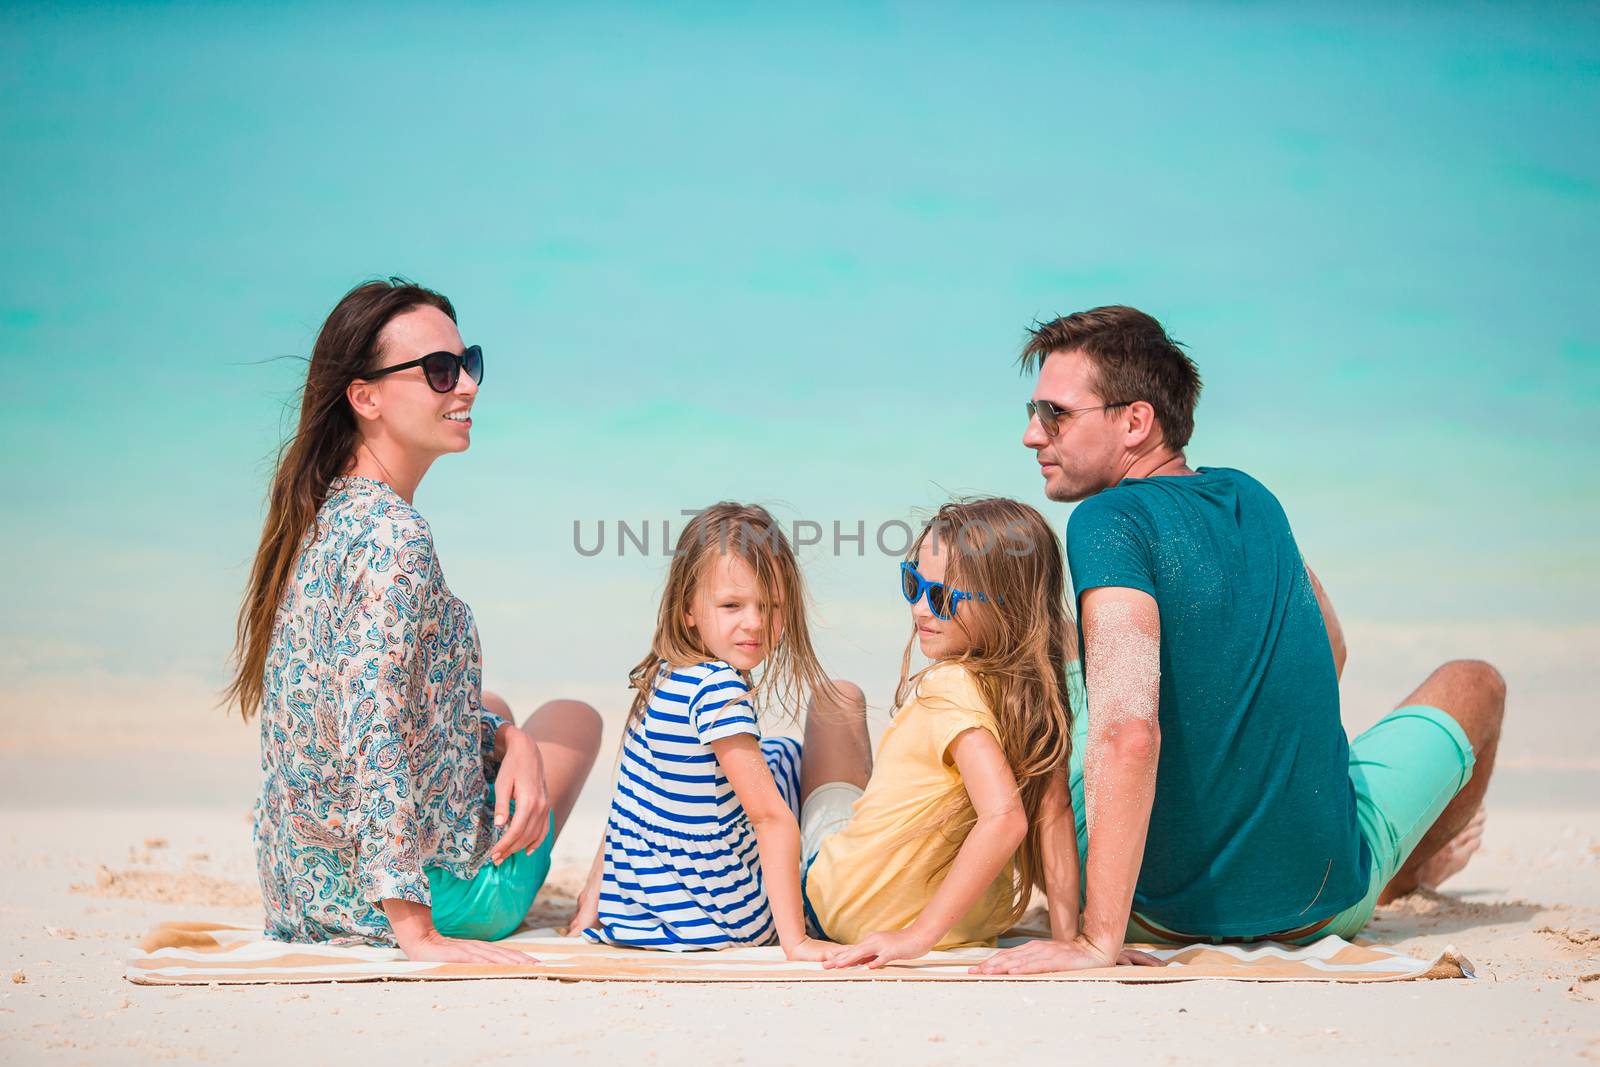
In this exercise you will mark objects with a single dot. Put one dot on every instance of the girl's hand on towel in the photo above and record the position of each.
(1079, 954)
(811, 950)
(588, 913)
(880, 948)
(521, 779)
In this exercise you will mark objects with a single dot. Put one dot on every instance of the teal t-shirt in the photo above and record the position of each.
(1253, 830)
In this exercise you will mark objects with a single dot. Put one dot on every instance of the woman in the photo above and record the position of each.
(376, 821)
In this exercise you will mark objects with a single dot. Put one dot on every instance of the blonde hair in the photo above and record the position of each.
(1020, 635)
(790, 669)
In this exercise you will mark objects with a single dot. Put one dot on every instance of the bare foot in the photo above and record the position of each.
(1450, 859)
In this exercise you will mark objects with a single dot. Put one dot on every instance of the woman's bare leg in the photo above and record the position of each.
(837, 747)
(568, 735)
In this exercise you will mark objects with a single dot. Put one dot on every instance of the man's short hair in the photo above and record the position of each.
(1132, 359)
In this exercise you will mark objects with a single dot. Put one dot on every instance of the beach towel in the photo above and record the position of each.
(212, 954)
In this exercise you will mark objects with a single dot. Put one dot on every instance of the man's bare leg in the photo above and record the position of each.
(1473, 694)
(837, 747)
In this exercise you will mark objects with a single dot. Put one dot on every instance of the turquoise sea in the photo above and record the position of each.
(789, 256)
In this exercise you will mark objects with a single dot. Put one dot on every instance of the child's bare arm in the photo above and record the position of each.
(994, 838)
(1058, 847)
(588, 913)
(777, 838)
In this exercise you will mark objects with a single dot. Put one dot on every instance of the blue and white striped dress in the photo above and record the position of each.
(682, 870)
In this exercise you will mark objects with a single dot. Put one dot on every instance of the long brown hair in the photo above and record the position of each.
(790, 669)
(1020, 636)
(321, 449)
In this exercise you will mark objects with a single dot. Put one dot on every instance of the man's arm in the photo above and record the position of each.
(1331, 621)
(1122, 661)
(1122, 671)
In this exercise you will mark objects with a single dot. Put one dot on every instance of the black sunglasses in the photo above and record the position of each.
(442, 369)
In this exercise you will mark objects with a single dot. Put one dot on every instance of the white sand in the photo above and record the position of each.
(151, 824)
(1529, 1006)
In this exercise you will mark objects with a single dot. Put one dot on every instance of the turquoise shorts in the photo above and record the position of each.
(491, 904)
(1405, 770)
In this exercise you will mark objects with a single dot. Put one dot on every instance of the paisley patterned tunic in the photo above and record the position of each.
(374, 743)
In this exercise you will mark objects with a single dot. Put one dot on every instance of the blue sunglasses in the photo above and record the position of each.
(941, 601)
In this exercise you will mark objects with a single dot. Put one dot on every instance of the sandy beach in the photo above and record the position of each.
(789, 256)
(148, 822)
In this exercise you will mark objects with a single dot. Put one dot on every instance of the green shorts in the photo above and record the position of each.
(491, 904)
(1405, 770)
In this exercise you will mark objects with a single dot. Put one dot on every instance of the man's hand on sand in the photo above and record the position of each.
(1079, 954)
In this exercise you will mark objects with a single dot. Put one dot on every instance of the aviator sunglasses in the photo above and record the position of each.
(941, 601)
(1050, 415)
(442, 369)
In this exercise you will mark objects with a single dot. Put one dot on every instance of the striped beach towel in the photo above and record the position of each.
(212, 954)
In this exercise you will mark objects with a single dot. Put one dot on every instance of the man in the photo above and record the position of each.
(1223, 800)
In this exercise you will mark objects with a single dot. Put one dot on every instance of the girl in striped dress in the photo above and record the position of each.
(701, 849)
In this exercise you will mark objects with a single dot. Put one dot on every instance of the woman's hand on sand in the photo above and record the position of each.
(880, 948)
(521, 779)
(811, 950)
(434, 947)
(420, 940)
(1079, 954)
